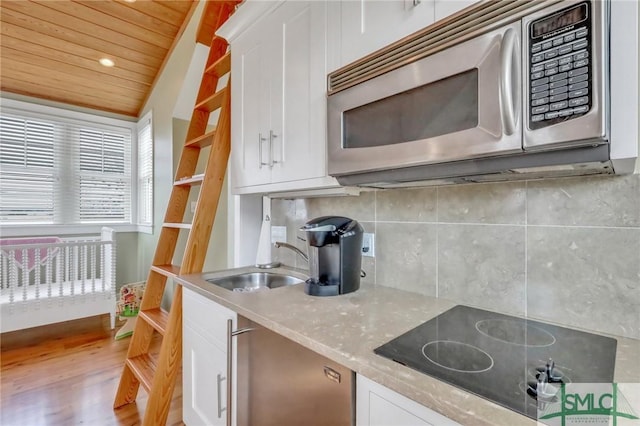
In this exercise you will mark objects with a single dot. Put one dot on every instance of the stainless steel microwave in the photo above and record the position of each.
(514, 91)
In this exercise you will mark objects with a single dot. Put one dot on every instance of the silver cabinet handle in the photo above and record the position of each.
(230, 335)
(229, 369)
(260, 140)
(509, 55)
(241, 331)
(220, 409)
(416, 2)
(272, 136)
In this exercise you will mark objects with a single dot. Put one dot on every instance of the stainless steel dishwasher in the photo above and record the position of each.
(280, 382)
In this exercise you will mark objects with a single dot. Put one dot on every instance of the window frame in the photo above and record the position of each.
(144, 226)
(79, 118)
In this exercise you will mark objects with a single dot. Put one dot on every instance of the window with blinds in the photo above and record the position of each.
(61, 171)
(145, 171)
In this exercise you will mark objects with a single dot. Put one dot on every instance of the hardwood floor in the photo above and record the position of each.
(67, 374)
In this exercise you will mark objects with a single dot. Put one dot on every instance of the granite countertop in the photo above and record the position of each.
(347, 328)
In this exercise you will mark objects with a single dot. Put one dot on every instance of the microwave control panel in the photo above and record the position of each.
(560, 74)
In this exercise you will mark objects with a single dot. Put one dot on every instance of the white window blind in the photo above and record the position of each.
(27, 172)
(145, 171)
(63, 171)
(104, 176)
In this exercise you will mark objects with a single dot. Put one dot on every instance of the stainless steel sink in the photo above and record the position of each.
(254, 281)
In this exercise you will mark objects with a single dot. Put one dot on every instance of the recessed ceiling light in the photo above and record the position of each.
(130, 1)
(106, 62)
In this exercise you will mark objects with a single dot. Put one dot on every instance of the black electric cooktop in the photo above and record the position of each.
(505, 359)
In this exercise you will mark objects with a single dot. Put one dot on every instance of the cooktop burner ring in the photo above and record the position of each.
(515, 332)
(445, 351)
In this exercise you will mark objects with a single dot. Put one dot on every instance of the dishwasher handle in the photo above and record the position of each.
(231, 333)
(241, 331)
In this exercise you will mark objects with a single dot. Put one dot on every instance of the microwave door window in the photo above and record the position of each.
(435, 109)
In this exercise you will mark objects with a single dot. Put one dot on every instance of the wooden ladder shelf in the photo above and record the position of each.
(157, 373)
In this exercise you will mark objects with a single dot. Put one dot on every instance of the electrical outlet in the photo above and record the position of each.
(369, 245)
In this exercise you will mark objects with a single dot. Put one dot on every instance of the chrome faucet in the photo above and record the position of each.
(279, 244)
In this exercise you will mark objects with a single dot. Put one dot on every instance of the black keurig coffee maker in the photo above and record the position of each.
(335, 255)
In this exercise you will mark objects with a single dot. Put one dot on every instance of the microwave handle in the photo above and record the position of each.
(509, 89)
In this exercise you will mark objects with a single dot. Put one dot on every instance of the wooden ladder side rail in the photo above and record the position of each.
(209, 196)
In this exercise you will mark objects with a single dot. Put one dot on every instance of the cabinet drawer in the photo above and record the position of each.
(377, 405)
(207, 317)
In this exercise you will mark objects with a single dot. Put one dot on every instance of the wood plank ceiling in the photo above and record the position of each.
(49, 49)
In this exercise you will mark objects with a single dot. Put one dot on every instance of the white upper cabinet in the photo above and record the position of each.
(360, 27)
(299, 149)
(278, 100)
(446, 8)
(251, 109)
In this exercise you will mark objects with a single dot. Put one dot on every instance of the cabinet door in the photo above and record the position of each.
(377, 405)
(204, 380)
(298, 115)
(204, 348)
(444, 8)
(250, 109)
(369, 25)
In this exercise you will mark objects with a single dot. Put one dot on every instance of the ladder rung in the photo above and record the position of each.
(202, 141)
(220, 67)
(177, 225)
(190, 181)
(143, 367)
(170, 271)
(157, 318)
(213, 102)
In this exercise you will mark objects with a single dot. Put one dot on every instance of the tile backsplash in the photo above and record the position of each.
(564, 250)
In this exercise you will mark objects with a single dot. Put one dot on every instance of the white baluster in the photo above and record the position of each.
(73, 271)
(49, 274)
(13, 275)
(25, 275)
(83, 267)
(93, 269)
(5, 273)
(64, 275)
(102, 265)
(36, 280)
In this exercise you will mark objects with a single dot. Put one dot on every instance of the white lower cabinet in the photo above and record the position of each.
(204, 354)
(377, 405)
